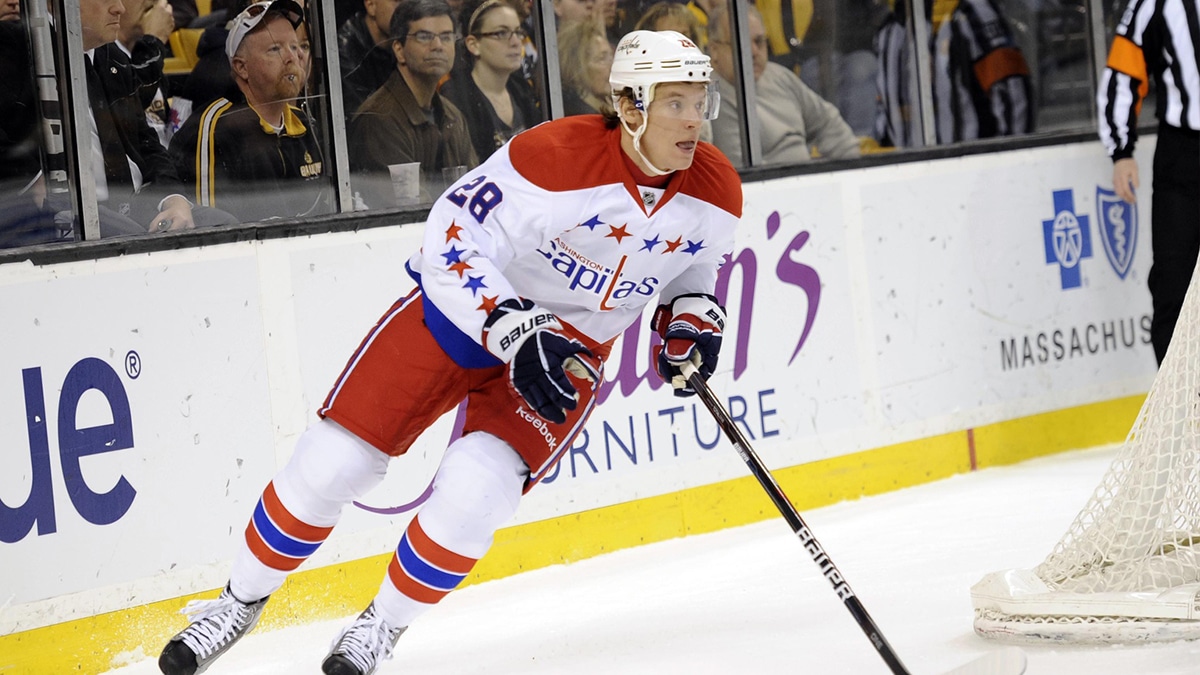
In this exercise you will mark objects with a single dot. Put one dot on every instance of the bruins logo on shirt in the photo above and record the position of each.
(310, 169)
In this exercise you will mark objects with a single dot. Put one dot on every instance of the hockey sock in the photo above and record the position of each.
(477, 490)
(420, 574)
(330, 468)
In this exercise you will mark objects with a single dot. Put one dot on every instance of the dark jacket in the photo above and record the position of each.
(365, 66)
(22, 222)
(233, 161)
(120, 89)
(19, 133)
(475, 107)
(391, 128)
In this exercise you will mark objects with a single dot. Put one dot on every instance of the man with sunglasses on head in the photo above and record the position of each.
(258, 158)
(509, 313)
(407, 120)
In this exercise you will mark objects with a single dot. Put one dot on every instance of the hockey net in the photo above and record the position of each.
(1128, 568)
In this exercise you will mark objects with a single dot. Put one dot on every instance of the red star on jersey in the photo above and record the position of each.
(452, 232)
(617, 233)
(488, 304)
(460, 267)
(672, 245)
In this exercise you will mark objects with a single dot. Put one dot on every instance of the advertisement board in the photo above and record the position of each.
(146, 400)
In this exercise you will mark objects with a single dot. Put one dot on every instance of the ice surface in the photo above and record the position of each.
(750, 599)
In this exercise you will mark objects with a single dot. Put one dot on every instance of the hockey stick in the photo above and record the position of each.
(1007, 661)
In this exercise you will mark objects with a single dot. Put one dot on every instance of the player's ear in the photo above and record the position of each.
(629, 112)
(398, 51)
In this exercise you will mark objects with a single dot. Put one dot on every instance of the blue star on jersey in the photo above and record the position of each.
(592, 222)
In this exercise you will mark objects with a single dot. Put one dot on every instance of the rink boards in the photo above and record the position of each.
(888, 326)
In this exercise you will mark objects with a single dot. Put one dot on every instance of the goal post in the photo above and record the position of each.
(1128, 567)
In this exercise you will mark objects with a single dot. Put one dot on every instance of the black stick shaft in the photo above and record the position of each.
(793, 518)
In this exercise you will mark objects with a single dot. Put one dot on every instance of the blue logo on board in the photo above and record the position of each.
(1118, 229)
(1068, 238)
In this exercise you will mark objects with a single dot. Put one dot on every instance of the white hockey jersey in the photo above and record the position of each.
(555, 216)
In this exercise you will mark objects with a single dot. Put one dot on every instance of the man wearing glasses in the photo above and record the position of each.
(406, 120)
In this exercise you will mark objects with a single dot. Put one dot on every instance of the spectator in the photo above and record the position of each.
(981, 82)
(794, 122)
(146, 27)
(258, 159)
(668, 15)
(406, 120)
(490, 92)
(136, 182)
(365, 52)
(584, 58)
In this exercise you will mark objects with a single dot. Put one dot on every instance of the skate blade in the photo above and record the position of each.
(1004, 661)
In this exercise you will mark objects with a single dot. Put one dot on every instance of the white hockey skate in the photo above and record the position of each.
(216, 625)
(362, 645)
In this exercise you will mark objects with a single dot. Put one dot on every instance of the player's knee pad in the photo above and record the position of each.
(330, 468)
(477, 489)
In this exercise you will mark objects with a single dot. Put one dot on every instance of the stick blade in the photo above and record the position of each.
(1004, 661)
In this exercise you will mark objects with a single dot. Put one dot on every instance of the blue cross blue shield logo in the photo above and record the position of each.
(1118, 229)
(1068, 238)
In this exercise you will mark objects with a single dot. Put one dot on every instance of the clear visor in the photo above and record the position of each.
(690, 103)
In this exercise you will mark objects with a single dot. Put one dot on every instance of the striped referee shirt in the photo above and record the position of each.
(981, 85)
(1154, 38)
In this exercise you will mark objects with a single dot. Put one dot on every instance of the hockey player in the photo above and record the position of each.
(532, 265)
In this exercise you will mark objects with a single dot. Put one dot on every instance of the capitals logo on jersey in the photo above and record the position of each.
(607, 281)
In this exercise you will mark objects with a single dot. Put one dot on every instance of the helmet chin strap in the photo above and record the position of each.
(637, 135)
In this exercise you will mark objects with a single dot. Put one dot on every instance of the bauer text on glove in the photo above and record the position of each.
(539, 355)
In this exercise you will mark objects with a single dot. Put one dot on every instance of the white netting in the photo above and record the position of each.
(1139, 530)
(1137, 537)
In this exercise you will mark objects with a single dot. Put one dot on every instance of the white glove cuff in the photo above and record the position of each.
(506, 335)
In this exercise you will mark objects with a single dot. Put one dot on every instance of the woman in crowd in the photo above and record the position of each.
(585, 56)
(489, 89)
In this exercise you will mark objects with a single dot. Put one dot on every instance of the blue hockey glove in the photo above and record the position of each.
(539, 356)
(690, 328)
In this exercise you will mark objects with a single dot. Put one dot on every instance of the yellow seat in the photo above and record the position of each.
(203, 7)
(183, 45)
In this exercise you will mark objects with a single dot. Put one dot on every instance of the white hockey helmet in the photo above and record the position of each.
(646, 58)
